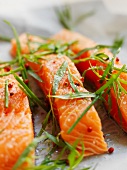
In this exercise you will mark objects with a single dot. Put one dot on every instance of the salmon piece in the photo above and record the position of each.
(16, 129)
(27, 43)
(67, 111)
(84, 42)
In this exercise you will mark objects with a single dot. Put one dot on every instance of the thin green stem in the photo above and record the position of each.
(83, 113)
(6, 94)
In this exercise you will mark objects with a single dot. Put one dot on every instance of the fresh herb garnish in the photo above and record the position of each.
(77, 95)
(29, 93)
(72, 157)
(34, 75)
(6, 93)
(103, 56)
(66, 19)
(44, 123)
(19, 57)
(98, 93)
(30, 148)
(4, 38)
(84, 112)
(10, 72)
(117, 43)
(71, 81)
(58, 77)
(54, 139)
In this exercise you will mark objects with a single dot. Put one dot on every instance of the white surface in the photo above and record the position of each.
(117, 6)
(102, 27)
(23, 7)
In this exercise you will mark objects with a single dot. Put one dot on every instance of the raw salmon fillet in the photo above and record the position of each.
(67, 111)
(16, 129)
(84, 42)
(27, 42)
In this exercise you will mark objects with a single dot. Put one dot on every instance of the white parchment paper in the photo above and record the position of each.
(101, 27)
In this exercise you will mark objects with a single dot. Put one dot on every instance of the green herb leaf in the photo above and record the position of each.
(49, 155)
(58, 77)
(92, 68)
(55, 140)
(97, 47)
(29, 93)
(117, 43)
(74, 95)
(44, 124)
(4, 38)
(20, 59)
(84, 112)
(73, 154)
(11, 72)
(65, 17)
(34, 75)
(9, 62)
(6, 93)
(86, 168)
(26, 152)
(83, 17)
(16, 36)
(71, 81)
(80, 158)
(122, 81)
(106, 72)
(111, 80)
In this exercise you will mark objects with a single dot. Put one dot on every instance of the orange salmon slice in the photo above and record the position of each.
(84, 42)
(67, 111)
(16, 129)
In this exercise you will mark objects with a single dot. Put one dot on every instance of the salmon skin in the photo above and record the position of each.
(16, 129)
(119, 114)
